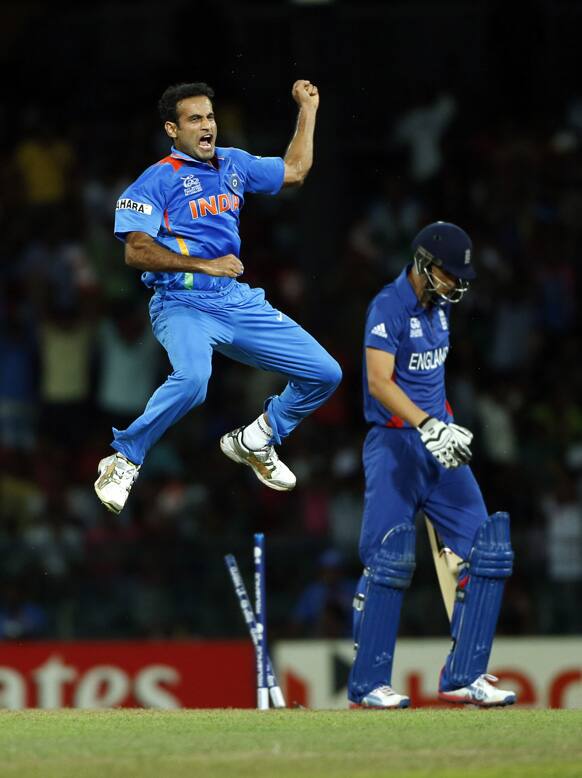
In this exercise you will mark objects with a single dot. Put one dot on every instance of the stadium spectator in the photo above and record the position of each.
(324, 607)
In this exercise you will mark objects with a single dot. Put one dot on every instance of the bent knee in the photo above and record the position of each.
(492, 555)
(193, 386)
(331, 374)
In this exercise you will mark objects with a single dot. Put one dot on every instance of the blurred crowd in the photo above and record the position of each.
(78, 356)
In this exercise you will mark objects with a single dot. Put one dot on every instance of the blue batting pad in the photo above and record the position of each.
(377, 612)
(478, 602)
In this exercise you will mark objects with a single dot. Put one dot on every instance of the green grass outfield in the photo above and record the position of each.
(469, 743)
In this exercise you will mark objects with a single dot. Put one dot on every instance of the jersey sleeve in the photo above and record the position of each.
(384, 327)
(263, 175)
(141, 207)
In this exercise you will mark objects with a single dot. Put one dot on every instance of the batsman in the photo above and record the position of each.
(417, 459)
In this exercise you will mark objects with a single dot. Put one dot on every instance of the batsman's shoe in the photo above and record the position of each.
(264, 461)
(382, 697)
(480, 692)
(116, 477)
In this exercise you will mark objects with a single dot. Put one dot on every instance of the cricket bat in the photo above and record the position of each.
(447, 567)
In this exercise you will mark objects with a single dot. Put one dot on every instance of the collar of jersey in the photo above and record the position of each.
(181, 155)
(406, 292)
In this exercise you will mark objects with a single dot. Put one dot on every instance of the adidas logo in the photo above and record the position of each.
(380, 330)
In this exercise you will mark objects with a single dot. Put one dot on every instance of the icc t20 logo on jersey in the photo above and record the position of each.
(192, 185)
(443, 318)
(415, 328)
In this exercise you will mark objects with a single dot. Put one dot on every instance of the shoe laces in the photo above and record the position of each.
(488, 678)
(384, 690)
(123, 471)
(267, 455)
(485, 680)
(270, 453)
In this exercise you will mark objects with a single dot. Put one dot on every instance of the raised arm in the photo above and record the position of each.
(143, 253)
(299, 156)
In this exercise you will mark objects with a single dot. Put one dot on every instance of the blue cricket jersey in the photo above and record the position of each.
(418, 337)
(192, 208)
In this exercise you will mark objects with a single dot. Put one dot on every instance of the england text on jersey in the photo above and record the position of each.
(428, 360)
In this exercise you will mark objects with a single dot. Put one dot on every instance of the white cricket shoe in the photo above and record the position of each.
(264, 461)
(480, 692)
(382, 697)
(116, 477)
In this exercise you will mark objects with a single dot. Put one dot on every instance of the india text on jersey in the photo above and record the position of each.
(213, 205)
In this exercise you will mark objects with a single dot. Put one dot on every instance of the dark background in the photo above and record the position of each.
(466, 112)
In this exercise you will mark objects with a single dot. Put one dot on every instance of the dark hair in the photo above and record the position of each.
(169, 100)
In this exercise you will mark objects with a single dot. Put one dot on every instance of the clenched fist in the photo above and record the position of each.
(305, 94)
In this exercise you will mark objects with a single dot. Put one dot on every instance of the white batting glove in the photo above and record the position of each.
(448, 443)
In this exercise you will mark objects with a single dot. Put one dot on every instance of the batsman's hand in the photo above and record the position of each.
(305, 94)
(229, 266)
(448, 443)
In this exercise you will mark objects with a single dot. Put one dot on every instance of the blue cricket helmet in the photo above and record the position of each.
(447, 246)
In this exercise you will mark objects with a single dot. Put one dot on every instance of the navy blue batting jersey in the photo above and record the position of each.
(192, 208)
(418, 337)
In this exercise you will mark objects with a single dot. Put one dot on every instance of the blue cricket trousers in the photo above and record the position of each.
(236, 321)
(402, 478)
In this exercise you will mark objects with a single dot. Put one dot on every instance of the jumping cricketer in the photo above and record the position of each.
(416, 458)
(180, 224)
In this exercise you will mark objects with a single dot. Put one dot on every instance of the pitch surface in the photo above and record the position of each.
(280, 744)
